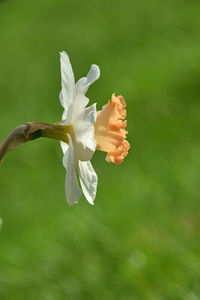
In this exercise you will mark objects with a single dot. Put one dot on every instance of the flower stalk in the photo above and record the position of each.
(30, 131)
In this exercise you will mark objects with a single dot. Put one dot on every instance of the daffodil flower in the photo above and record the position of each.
(82, 131)
(88, 130)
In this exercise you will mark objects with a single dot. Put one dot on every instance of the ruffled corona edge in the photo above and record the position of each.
(110, 132)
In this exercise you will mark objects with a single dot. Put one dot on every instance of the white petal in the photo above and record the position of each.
(68, 85)
(64, 146)
(80, 102)
(83, 83)
(88, 180)
(83, 126)
(72, 189)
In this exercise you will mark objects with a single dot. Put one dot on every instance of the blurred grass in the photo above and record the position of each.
(141, 239)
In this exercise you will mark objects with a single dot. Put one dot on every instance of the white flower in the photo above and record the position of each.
(78, 122)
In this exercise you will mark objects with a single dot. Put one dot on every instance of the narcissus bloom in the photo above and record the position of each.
(88, 130)
(82, 131)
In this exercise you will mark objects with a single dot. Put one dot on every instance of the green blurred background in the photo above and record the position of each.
(141, 240)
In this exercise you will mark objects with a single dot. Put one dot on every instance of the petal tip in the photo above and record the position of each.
(96, 68)
(63, 53)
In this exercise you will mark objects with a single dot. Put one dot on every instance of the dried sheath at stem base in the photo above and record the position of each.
(15, 138)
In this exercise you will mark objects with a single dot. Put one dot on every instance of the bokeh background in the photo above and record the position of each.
(141, 239)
